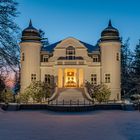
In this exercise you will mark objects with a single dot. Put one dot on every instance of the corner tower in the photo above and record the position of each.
(30, 47)
(110, 46)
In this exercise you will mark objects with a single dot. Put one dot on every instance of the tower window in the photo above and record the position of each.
(118, 56)
(22, 57)
(107, 78)
(93, 79)
(33, 77)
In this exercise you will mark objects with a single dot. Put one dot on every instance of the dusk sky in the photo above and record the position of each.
(82, 19)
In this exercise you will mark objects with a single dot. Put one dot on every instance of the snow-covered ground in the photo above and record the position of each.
(46, 125)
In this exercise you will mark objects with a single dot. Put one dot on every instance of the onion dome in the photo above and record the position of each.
(110, 33)
(30, 34)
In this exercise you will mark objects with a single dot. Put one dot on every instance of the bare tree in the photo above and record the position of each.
(9, 49)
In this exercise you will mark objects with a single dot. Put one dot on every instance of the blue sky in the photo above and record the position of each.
(82, 19)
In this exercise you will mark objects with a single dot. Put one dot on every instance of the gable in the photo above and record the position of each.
(70, 42)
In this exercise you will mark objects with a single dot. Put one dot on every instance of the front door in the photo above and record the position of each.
(70, 80)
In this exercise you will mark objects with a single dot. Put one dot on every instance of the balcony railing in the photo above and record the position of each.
(70, 62)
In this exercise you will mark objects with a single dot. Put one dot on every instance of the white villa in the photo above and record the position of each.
(70, 62)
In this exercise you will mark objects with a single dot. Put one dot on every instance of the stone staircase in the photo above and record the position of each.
(70, 96)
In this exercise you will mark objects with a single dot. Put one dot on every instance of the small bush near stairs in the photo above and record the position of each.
(100, 93)
(36, 92)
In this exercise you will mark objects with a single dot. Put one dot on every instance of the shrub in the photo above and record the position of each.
(99, 92)
(36, 91)
(7, 96)
(102, 94)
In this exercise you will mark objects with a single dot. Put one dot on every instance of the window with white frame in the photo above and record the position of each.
(107, 78)
(45, 58)
(95, 59)
(93, 78)
(33, 77)
(70, 53)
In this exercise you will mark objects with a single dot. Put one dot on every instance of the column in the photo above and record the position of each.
(77, 77)
(63, 77)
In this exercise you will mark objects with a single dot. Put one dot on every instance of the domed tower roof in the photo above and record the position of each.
(110, 33)
(30, 34)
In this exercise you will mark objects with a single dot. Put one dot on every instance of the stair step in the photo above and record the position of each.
(73, 94)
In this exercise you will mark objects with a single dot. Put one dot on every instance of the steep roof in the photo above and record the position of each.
(50, 47)
(90, 47)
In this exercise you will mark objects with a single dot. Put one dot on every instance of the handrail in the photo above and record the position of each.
(55, 94)
(87, 95)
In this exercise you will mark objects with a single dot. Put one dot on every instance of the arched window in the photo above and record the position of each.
(70, 53)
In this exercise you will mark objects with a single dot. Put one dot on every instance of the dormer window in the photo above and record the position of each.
(70, 53)
(45, 58)
(96, 58)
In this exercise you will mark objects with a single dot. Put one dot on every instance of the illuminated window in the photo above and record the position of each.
(118, 56)
(107, 78)
(22, 57)
(33, 77)
(70, 53)
(93, 78)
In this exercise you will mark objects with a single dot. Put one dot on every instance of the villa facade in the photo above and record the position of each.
(69, 63)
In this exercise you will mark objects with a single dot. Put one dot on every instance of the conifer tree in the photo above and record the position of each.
(136, 69)
(44, 41)
(137, 60)
(125, 67)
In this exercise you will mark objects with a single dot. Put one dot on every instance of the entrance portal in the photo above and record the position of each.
(70, 78)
